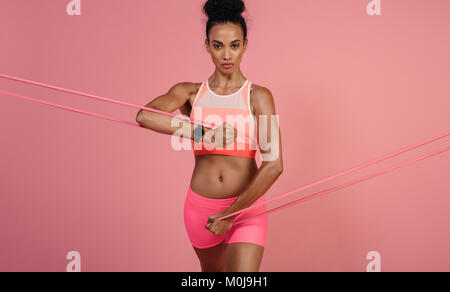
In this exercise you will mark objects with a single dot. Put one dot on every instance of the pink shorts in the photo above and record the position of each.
(197, 210)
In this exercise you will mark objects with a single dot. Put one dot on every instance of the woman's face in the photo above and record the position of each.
(226, 45)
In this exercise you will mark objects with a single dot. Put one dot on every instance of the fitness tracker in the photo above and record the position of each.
(199, 132)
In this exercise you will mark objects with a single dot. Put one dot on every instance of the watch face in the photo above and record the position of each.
(198, 133)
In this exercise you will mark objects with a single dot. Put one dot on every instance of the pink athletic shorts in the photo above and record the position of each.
(197, 210)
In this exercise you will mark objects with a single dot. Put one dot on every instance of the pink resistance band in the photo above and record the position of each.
(338, 175)
(256, 205)
(319, 194)
(94, 97)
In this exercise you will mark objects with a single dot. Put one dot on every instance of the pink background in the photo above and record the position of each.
(348, 88)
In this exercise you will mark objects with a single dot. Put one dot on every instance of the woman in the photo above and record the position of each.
(224, 180)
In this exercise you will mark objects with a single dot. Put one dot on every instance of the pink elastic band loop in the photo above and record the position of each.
(68, 108)
(336, 175)
(255, 205)
(88, 95)
(319, 194)
(102, 99)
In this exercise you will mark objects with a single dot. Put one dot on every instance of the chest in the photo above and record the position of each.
(193, 95)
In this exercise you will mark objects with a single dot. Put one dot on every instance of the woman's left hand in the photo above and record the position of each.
(219, 227)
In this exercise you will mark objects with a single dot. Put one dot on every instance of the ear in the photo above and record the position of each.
(207, 45)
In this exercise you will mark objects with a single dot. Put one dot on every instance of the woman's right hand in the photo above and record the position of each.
(225, 131)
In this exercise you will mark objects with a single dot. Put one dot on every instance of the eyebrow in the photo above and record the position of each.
(216, 41)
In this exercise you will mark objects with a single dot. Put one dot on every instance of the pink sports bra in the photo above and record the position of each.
(234, 109)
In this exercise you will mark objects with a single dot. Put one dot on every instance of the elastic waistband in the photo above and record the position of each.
(209, 202)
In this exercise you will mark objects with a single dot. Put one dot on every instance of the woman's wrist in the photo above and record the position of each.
(231, 218)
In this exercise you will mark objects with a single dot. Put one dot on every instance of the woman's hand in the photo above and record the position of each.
(219, 227)
(225, 132)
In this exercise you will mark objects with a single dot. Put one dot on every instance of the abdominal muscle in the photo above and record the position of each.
(222, 176)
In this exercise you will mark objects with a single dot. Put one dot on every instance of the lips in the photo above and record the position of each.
(227, 65)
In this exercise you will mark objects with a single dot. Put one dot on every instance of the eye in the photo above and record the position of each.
(236, 46)
(216, 46)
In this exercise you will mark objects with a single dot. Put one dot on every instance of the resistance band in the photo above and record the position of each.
(101, 99)
(336, 175)
(330, 190)
(201, 122)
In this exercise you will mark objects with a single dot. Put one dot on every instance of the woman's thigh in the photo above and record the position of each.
(212, 259)
(243, 257)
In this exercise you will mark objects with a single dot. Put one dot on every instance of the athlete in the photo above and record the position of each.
(226, 177)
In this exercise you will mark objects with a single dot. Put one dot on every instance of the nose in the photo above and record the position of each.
(227, 54)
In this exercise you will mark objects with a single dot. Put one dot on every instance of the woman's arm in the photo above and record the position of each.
(175, 99)
(270, 169)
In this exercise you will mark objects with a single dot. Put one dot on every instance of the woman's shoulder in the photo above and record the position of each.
(257, 89)
(189, 89)
(188, 86)
(259, 95)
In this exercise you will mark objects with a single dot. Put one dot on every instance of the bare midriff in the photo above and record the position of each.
(222, 176)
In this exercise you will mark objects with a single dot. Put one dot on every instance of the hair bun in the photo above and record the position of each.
(224, 8)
